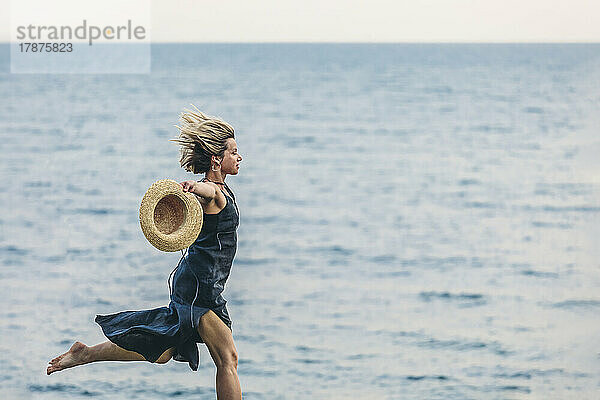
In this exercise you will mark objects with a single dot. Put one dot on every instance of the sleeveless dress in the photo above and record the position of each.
(198, 281)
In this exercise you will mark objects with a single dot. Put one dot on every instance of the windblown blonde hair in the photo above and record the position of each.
(200, 138)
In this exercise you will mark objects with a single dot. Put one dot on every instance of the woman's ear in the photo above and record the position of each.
(216, 160)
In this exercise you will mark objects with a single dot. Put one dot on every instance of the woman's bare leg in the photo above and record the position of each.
(219, 341)
(80, 354)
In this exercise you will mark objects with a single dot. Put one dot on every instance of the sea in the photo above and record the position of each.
(418, 221)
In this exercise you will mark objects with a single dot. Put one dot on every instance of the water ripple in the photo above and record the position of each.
(60, 387)
(577, 303)
(462, 345)
(427, 377)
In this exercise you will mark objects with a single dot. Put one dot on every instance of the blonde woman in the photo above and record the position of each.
(197, 311)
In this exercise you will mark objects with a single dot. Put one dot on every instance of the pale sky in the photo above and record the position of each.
(362, 21)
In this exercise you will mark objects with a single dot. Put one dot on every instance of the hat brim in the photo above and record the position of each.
(187, 212)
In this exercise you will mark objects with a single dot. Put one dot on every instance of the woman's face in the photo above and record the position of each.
(230, 164)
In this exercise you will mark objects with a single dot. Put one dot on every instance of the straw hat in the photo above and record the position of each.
(171, 219)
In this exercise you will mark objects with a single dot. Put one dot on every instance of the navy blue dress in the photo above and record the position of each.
(198, 281)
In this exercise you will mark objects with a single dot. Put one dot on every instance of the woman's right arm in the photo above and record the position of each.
(204, 190)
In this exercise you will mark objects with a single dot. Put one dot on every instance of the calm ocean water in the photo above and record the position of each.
(417, 221)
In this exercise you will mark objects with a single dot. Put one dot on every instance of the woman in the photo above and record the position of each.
(196, 312)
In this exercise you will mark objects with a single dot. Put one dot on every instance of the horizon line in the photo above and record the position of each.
(330, 42)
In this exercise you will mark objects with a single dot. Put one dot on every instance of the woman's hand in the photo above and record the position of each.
(189, 186)
(202, 189)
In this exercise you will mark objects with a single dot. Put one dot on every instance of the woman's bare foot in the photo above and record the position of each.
(75, 356)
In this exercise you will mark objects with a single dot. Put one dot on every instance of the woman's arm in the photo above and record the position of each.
(206, 191)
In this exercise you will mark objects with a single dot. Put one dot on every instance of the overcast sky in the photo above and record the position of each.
(364, 21)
